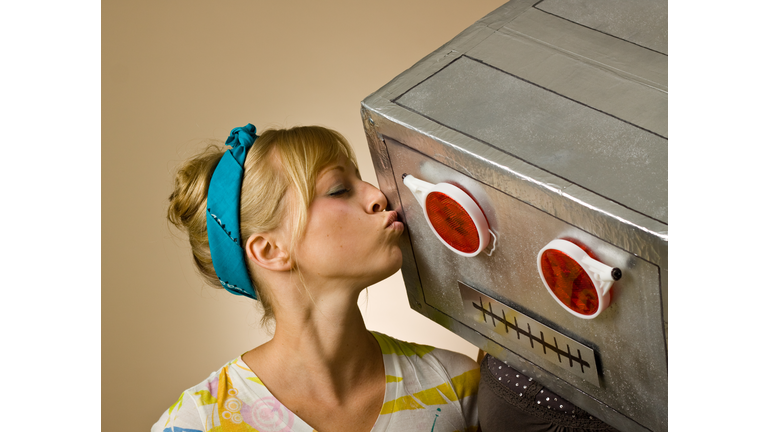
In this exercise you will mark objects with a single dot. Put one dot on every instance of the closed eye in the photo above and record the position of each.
(338, 192)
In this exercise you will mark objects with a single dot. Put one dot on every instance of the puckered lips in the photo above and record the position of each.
(392, 222)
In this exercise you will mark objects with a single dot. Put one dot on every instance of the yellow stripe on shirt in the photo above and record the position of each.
(392, 378)
(430, 397)
(400, 404)
(206, 398)
(466, 383)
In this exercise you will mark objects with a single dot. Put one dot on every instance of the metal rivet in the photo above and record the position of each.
(616, 274)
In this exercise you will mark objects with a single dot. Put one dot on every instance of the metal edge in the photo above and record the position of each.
(388, 186)
(506, 13)
(634, 62)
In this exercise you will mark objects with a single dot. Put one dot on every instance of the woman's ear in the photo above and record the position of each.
(268, 252)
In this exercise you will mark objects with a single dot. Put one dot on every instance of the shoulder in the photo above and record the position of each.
(450, 359)
(190, 411)
(219, 381)
(392, 346)
(457, 369)
(464, 372)
(428, 388)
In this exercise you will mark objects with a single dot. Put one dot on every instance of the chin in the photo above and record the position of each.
(396, 264)
(393, 266)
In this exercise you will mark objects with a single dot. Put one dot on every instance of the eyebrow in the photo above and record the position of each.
(327, 170)
(340, 168)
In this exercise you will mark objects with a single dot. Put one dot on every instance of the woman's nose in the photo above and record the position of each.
(376, 200)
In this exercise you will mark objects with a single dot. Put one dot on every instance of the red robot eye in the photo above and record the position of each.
(452, 223)
(569, 282)
(453, 216)
(579, 282)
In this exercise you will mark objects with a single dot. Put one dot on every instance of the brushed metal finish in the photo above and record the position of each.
(567, 40)
(643, 23)
(511, 181)
(629, 335)
(523, 333)
(601, 153)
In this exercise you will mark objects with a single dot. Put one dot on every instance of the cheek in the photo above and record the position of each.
(349, 245)
(346, 235)
(330, 235)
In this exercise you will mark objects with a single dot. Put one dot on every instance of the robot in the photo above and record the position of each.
(528, 158)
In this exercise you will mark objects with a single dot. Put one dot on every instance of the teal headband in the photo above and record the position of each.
(223, 216)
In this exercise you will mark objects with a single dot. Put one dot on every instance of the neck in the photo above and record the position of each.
(328, 335)
(324, 338)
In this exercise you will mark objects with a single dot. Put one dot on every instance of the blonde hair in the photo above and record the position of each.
(281, 160)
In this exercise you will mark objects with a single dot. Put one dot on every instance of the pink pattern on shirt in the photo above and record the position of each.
(213, 387)
(268, 415)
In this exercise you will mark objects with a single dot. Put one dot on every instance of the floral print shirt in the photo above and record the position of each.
(427, 390)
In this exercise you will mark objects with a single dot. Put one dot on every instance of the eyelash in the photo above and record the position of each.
(339, 192)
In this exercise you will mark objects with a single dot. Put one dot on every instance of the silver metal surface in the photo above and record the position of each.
(628, 335)
(643, 23)
(526, 334)
(603, 154)
(558, 130)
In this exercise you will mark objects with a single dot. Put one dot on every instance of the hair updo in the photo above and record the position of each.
(280, 160)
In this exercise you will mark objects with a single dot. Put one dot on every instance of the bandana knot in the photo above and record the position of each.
(241, 139)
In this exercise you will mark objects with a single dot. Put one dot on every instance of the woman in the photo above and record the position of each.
(287, 220)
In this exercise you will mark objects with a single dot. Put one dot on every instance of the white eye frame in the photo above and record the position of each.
(421, 189)
(601, 275)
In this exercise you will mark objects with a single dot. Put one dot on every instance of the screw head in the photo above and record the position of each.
(616, 273)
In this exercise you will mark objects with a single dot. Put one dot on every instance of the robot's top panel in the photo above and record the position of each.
(575, 89)
(602, 153)
(641, 22)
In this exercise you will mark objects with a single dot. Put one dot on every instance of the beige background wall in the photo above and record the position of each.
(175, 73)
